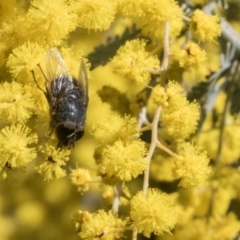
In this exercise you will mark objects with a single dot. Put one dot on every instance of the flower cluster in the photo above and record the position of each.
(54, 160)
(58, 16)
(133, 61)
(99, 225)
(121, 152)
(17, 104)
(24, 59)
(205, 27)
(191, 57)
(80, 178)
(124, 160)
(96, 15)
(192, 167)
(179, 117)
(152, 15)
(16, 146)
(156, 212)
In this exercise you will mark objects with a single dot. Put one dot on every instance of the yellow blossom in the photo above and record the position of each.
(160, 10)
(154, 213)
(14, 31)
(113, 128)
(191, 57)
(24, 59)
(160, 97)
(180, 117)
(132, 61)
(96, 15)
(54, 20)
(192, 167)
(99, 225)
(80, 178)
(181, 123)
(53, 161)
(16, 102)
(151, 16)
(14, 146)
(155, 29)
(204, 27)
(176, 96)
(124, 160)
(132, 8)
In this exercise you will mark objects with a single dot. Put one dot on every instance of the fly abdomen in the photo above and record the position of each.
(70, 109)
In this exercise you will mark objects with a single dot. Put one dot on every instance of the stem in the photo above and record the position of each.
(167, 150)
(166, 54)
(146, 128)
(116, 200)
(187, 19)
(134, 234)
(154, 141)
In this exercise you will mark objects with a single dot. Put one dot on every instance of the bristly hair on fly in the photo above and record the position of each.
(67, 98)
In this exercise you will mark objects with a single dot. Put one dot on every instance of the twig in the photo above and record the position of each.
(116, 200)
(153, 144)
(134, 234)
(167, 150)
(166, 54)
(146, 128)
(187, 19)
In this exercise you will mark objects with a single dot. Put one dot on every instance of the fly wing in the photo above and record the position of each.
(55, 65)
(83, 81)
(59, 80)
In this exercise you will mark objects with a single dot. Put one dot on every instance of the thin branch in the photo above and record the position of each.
(146, 128)
(116, 201)
(167, 150)
(154, 141)
(166, 54)
(134, 234)
(187, 19)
